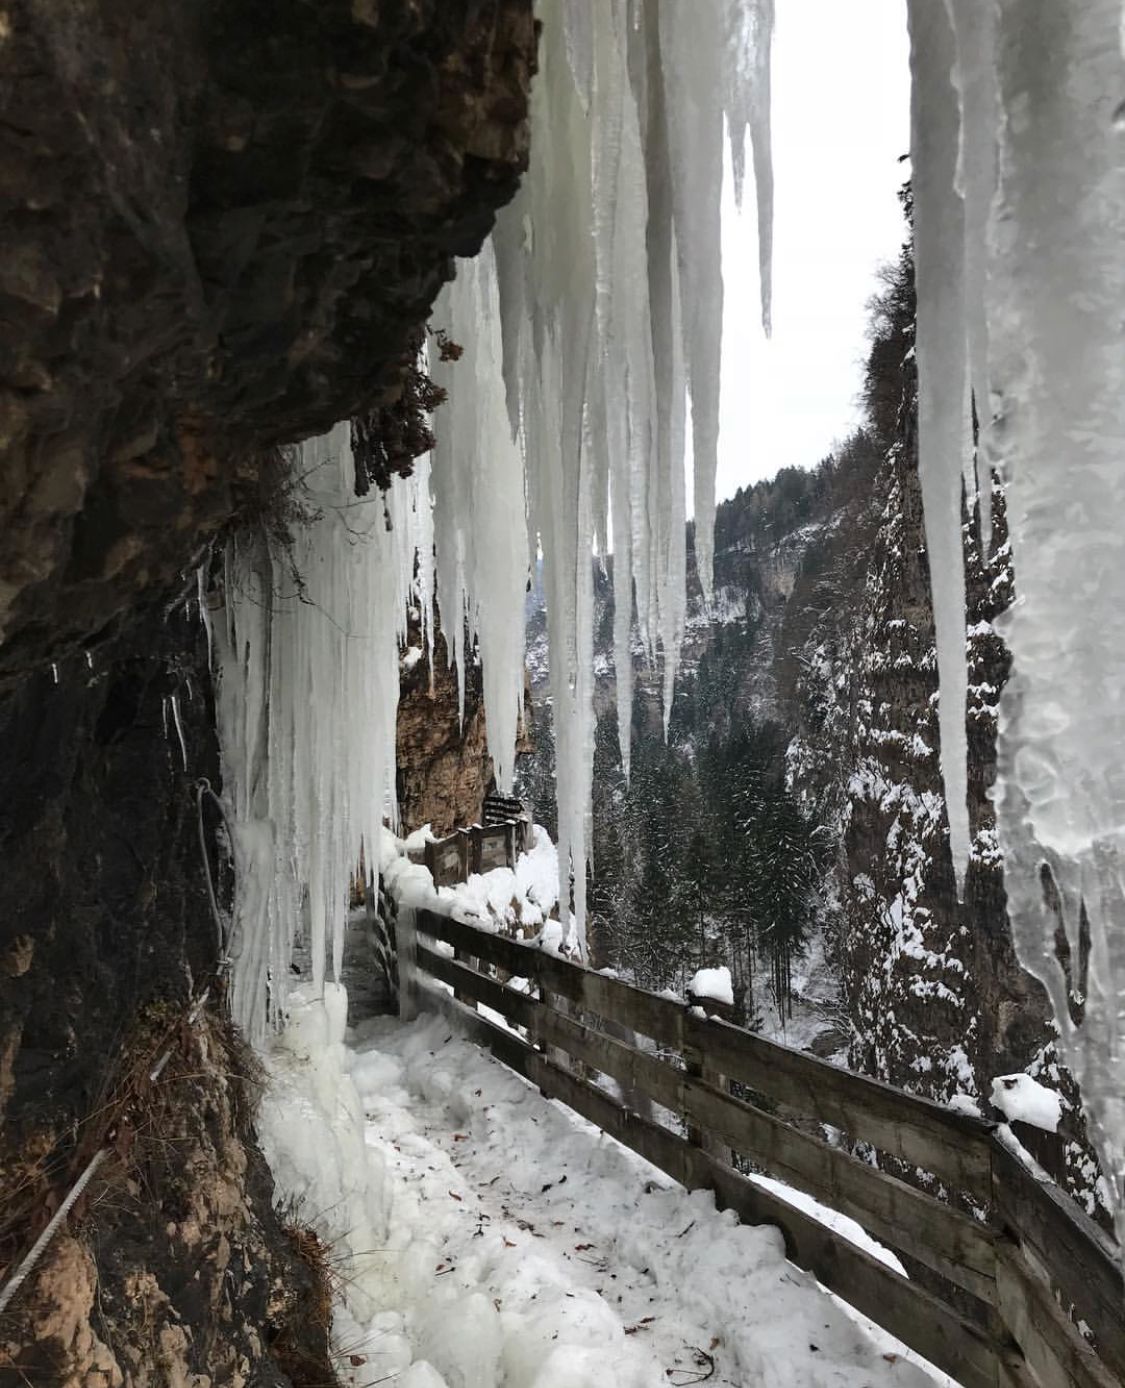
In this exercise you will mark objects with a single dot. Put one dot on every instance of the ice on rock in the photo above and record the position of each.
(1056, 304)
(585, 321)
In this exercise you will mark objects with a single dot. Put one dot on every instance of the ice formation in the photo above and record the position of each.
(607, 276)
(307, 649)
(584, 325)
(1039, 195)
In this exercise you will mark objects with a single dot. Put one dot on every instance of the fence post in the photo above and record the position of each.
(696, 1067)
(406, 947)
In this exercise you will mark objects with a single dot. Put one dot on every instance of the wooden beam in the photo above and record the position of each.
(1051, 1344)
(1071, 1251)
(467, 983)
(953, 1146)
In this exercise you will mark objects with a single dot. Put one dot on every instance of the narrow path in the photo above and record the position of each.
(524, 1249)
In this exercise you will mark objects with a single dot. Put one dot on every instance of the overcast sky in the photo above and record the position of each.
(841, 119)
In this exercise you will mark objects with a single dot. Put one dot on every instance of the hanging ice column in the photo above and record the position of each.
(1050, 292)
(610, 294)
(307, 657)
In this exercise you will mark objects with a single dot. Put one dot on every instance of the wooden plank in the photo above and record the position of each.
(505, 1046)
(660, 1018)
(954, 1146)
(952, 1244)
(1051, 1344)
(1070, 1250)
(632, 1068)
(913, 1315)
(467, 983)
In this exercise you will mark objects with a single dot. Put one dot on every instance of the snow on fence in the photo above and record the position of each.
(476, 849)
(996, 1294)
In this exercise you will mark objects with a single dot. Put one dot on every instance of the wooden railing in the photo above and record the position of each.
(1010, 1266)
(478, 848)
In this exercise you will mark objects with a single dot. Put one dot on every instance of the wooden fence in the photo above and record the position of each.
(1010, 1264)
(480, 848)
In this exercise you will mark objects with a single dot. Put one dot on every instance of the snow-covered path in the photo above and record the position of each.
(517, 1247)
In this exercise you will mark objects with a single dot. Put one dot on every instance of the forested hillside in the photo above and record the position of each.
(792, 823)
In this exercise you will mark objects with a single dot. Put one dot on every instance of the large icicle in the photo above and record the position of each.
(692, 53)
(307, 655)
(610, 303)
(939, 248)
(479, 511)
(749, 40)
(974, 76)
(1056, 309)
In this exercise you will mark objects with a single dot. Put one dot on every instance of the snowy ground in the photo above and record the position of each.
(487, 1238)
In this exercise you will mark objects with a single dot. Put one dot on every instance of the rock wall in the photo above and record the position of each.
(176, 1265)
(444, 769)
(219, 226)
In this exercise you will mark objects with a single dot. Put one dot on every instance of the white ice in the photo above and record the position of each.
(1018, 160)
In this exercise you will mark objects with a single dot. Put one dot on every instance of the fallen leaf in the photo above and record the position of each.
(507, 1242)
(356, 1360)
(583, 1247)
(454, 1196)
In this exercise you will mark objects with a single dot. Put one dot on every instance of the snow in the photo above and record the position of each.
(1024, 1100)
(712, 983)
(484, 1236)
(512, 898)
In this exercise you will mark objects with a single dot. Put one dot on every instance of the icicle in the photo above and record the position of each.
(974, 76)
(692, 43)
(307, 660)
(204, 610)
(1056, 302)
(479, 507)
(175, 702)
(748, 45)
(939, 263)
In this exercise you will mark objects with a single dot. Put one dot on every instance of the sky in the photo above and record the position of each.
(841, 119)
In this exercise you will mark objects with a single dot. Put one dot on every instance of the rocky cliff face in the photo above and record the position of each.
(221, 229)
(219, 226)
(444, 768)
(175, 1268)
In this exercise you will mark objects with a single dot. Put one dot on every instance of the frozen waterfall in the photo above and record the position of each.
(1019, 176)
